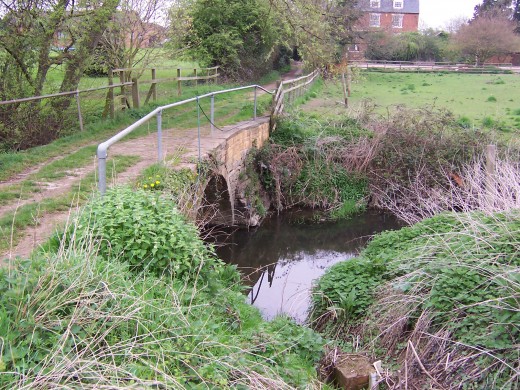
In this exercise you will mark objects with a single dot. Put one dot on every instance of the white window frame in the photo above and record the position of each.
(397, 18)
(375, 3)
(375, 20)
(398, 4)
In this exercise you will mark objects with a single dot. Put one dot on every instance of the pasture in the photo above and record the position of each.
(488, 101)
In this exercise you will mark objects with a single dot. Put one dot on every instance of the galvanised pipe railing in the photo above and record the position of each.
(102, 150)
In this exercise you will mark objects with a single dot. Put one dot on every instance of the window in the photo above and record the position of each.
(397, 21)
(375, 20)
(398, 4)
(375, 3)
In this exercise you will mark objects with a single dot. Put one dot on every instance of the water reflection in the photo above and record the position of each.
(282, 257)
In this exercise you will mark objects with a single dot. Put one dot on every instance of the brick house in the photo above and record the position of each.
(394, 16)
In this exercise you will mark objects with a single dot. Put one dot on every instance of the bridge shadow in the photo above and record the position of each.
(216, 208)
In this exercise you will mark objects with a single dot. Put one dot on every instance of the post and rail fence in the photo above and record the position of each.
(126, 85)
(430, 66)
(288, 91)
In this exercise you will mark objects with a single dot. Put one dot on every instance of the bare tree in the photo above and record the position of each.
(453, 25)
(487, 36)
(133, 34)
(35, 36)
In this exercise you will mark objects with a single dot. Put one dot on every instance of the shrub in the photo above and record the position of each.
(465, 122)
(491, 99)
(145, 230)
(488, 122)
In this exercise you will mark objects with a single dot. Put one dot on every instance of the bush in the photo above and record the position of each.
(310, 163)
(145, 230)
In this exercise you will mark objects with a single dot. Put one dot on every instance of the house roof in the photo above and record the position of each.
(409, 6)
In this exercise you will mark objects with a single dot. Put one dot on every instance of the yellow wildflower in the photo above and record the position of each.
(157, 182)
(145, 186)
(152, 185)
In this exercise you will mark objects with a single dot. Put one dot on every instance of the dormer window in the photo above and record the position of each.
(375, 3)
(398, 4)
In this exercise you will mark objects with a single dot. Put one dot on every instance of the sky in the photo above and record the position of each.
(436, 13)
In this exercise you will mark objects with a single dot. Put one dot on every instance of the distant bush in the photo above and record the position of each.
(465, 122)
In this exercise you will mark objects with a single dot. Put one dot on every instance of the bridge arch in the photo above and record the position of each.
(217, 204)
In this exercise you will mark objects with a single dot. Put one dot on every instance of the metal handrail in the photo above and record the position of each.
(102, 150)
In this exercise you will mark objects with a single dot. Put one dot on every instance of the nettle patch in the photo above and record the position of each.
(143, 229)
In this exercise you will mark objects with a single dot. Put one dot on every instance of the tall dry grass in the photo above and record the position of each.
(471, 189)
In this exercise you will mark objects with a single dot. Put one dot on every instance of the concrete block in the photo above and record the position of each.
(352, 372)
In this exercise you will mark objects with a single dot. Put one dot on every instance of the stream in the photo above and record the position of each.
(281, 258)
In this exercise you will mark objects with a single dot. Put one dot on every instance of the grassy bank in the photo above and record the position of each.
(155, 308)
(438, 301)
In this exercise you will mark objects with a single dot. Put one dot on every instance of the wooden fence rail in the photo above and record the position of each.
(425, 66)
(289, 91)
(292, 89)
(123, 85)
(125, 75)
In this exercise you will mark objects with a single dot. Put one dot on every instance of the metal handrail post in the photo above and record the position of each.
(212, 113)
(254, 111)
(159, 137)
(198, 127)
(102, 174)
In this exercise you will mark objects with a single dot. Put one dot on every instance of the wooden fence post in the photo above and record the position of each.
(344, 88)
(195, 82)
(122, 80)
(109, 101)
(135, 93)
(179, 88)
(154, 86)
(491, 166)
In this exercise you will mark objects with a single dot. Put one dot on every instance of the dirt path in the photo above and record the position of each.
(295, 72)
(180, 146)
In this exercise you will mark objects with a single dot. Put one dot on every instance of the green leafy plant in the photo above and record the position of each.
(145, 230)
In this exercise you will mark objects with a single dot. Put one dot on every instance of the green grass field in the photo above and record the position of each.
(482, 101)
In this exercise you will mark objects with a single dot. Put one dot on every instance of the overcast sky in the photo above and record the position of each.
(436, 13)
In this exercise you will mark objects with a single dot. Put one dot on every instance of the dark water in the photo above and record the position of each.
(281, 258)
